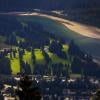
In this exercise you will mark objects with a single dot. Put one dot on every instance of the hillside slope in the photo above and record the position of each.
(90, 45)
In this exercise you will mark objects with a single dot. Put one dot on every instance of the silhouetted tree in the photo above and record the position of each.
(5, 66)
(96, 96)
(12, 40)
(75, 50)
(28, 92)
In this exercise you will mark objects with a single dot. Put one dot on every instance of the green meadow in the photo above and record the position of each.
(27, 57)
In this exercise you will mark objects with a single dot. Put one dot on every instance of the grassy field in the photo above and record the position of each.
(39, 57)
(55, 59)
(65, 48)
(15, 63)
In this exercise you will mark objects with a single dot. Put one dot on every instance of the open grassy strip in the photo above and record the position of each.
(27, 57)
(39, 57)
(15, 64)
(65, 48)
(55, 59)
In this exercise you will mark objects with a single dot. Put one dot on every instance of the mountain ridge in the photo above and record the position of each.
(47, 4)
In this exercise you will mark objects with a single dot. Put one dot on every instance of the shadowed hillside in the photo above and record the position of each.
(47, 4)
(84, 11)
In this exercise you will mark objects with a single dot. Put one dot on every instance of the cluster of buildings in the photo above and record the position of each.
(53, 87)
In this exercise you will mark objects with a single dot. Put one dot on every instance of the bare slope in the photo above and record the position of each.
(85, 30)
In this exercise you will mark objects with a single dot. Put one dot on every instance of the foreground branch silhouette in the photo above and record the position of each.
(28, 92)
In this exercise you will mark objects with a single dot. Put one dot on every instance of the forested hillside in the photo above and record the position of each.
(33, 49)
